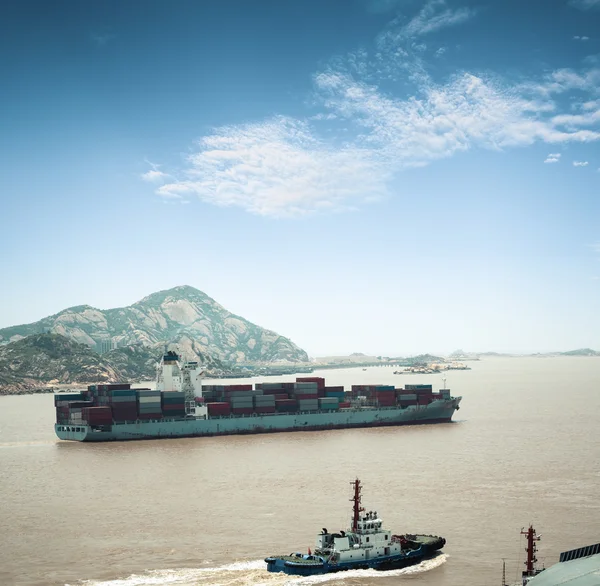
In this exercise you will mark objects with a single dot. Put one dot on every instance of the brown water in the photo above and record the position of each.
(525, 447)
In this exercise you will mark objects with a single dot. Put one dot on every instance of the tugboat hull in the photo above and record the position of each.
(311, 565)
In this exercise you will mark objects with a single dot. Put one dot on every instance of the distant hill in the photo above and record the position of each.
(181, 315)
(43, 359)
(581, 352)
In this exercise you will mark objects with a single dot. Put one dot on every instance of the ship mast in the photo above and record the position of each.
(356, 509)
(531, 549)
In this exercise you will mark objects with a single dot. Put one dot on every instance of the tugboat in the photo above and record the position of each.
(365, 545)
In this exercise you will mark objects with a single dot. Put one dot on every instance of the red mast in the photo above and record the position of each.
(356, 509)
(532, 537)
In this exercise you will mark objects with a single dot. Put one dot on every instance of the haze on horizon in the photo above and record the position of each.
(379, 176)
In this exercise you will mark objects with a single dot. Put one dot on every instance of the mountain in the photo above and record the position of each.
(581, 352)
(51, 358)
(182, 315)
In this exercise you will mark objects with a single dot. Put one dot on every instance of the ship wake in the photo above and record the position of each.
(253, 573)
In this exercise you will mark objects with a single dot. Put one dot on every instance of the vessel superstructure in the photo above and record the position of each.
(182, 406)
(365, 544)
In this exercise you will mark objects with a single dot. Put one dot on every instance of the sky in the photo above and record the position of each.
(380, 176)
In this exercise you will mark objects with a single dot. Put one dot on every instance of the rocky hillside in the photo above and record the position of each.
(181, 315)
(49, 358)
(52, 359)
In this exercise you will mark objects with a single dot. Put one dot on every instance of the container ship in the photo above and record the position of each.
(365, 545)
(182, 406)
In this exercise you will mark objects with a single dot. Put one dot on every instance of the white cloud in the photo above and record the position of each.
(285, 166)
(154, 175)
(578, 38)
(435, 16)
(585, 4)
(279, 168)
(440, 51)
(553, 158)
(580, 163)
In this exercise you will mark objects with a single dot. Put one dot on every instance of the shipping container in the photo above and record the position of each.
(218, 408)
(242, 410)
(320, 382)
(265, 409)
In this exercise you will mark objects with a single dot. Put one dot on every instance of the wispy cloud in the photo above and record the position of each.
(585, 4)
(580, 163)
(279, 168)
(154, 176)
(578, 38)
(434, 16)
(553, 158)
(359, 136)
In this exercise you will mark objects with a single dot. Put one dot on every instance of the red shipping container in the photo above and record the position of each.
(345, 405)
(281, 396)
(218, 408)
(242, 410)
(96, 412)
(408, 402)
(334, 389)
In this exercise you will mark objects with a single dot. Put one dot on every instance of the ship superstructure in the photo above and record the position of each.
(182, 406)
(366, 544)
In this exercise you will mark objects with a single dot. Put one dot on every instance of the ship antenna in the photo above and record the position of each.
(356, 509)
(503, 572)
(444, 379)
(532, 537)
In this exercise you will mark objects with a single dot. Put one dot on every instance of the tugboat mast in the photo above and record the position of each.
(532, 538)
(356, 509)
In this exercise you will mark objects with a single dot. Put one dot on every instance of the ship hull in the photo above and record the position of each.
(436, 412)
(315, 565)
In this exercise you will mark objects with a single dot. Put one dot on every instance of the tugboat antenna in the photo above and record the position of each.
(356, 510)
(530, 569)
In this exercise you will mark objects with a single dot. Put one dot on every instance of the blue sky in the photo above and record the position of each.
(378, 176)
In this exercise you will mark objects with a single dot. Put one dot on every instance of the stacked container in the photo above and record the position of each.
(308, 404)
(286, 405)
(385, 395)
(123, 403)
(218, 409)
(173, 403)
(97, 415)
(306, 391)
(149, 404)
(337, 392)
(242, 402)
(264, 403)
(406, 398)
(329, 403)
